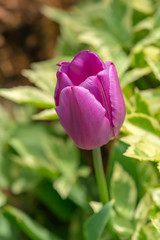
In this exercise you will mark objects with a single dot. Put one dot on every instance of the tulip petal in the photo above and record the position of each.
(62, 63)
(83, 117)
(116, 98)
(62, 82)
(84, 64)
(99, 87)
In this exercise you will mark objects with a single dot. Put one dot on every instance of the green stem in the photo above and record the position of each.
(100, 176)
(102, 186)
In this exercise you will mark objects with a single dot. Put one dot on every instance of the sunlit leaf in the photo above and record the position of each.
(28, 95)
(47, 114)
(123, 190)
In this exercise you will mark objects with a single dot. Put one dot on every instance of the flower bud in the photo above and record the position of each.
(89, 100)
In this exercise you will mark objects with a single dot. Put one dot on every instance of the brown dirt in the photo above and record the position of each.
(25, 36)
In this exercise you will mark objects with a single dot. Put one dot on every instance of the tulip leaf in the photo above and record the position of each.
(123, 190)
(95, 225)
(31, 228)
(28, 95)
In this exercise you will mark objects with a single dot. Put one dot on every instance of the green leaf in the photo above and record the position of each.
(8, 231)
(141, 106)
(156, 222)
(42, 79)
(150, 38)
(3, 199)
(123, 227)
(139, 234)
(55, 14)
(133, 75)
(47, 114)
(156, 196)
(28, 95)
(143, 137)
(31, 228)
(118, 17)
(123, 190)
(151, 232)
(155, 67)
(143, 208)
(47, 194)
(139, 124)
(144, 6)
(152, 96)
(95, 225)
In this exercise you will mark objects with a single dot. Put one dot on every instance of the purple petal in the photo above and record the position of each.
(62, 63)
(62, 82)
(116, 98)
(99, 87)
(83, 117)
(84, 64)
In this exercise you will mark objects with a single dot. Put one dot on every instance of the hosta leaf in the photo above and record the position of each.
(48, 114)
(41, 78)
(143, 208)
(151, 38)
(156, 196)
(118, 18)
(133, 75)
(28, 95)
(152, 96)
(141, 125)
(123, 227)
(156, 223)
(144, 6)
(141, 106)
(155, 67)
(123, 190)
(142, 149)
(143, 137)
(95, 225)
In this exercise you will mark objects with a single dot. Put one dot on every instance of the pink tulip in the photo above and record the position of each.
(89, 100)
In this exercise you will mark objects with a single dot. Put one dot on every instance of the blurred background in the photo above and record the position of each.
(46, 182)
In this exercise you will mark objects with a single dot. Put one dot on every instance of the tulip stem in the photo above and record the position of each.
(100, 176)
(102, 185)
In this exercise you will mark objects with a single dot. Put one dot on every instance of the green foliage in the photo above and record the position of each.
(31, 228)
(123, 190)
(95, 225)
(42, 171)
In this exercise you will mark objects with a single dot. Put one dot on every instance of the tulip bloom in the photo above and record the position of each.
(89, 100)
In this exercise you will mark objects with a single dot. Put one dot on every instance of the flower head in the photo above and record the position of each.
(89, 100)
